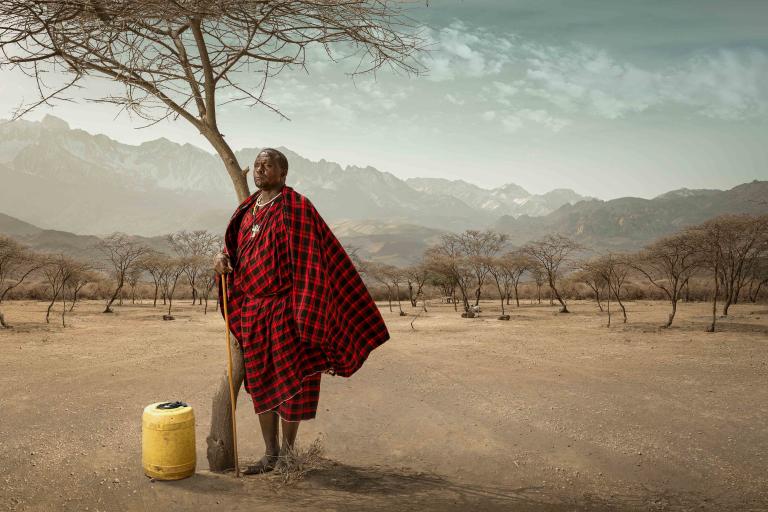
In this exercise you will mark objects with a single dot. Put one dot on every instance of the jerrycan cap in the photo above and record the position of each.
(171, 405)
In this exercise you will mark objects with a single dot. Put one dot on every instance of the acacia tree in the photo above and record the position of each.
(550, 253)
(448, 256)
(479, 248)
(174, 268)
(758, 277)
(742, 240)
(668, 264)
(415, 276)
(17, 263)
(501, 278)
(196, 248)
(591, 275)
(513, 265)
(58, 272)
(179, 59)
(132, 278)
(122, 254)
(77, 282)
(708, 241)
(153, 263)
(611, 271)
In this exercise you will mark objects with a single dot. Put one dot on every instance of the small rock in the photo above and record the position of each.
(116, 481)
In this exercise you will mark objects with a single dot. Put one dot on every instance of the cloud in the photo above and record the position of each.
(450, 98)
(526, 117)
(728, 84)
(456, 51)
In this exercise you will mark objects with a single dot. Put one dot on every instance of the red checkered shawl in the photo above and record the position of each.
(331, 305)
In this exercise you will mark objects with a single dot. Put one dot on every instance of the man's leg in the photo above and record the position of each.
(269, 422)
(290, 429)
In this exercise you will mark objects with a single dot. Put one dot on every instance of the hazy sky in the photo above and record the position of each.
(608, 97)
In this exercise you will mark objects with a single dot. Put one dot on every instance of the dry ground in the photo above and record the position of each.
(547, 412)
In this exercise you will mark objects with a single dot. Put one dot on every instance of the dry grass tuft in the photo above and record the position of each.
(294, 465)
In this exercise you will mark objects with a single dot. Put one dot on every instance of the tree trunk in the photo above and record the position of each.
(410, 295)
(2, 321)
(63, 309)
(48, 313)
(221, 455)
(74, 299)
(108, 309)
(672, 314)
(564, 308)
(517, 296)
(753, 298)
(711, 328)
(154, 300)
(597, 297)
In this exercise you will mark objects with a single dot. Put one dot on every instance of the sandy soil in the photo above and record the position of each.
(547, 412)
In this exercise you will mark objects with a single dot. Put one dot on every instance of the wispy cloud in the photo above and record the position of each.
(458, 51)
(728, 84)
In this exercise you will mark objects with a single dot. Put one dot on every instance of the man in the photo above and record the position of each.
(297, 305)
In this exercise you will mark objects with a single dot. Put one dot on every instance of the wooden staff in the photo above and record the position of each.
(229, 373)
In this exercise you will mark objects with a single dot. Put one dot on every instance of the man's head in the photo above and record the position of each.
(270, 169)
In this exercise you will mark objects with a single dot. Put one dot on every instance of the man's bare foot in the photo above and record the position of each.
(265, 465)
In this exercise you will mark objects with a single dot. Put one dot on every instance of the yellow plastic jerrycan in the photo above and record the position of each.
(168, 440)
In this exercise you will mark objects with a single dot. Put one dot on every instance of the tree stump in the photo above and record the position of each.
(504, 317)
(221, 455)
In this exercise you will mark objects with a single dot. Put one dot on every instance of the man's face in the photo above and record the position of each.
(267, 175)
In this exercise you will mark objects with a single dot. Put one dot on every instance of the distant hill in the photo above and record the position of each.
(92, 184)
(51, 241)
(629, 223)
(66, 184)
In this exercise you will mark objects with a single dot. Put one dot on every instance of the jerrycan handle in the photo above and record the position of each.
(172, 405)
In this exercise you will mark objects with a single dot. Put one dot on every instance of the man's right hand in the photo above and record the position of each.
(221, 264)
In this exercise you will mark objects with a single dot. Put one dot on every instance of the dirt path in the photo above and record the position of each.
(546, 412)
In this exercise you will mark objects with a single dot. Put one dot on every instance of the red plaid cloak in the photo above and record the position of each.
(331, 305)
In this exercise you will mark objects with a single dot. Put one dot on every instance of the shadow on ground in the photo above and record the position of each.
(377, 488)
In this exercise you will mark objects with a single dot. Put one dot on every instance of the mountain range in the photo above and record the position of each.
(71, 182)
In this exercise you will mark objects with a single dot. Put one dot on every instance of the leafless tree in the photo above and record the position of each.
(17, 263)
(77, 282)
(513, 265)
(174, 268)
(209, 281)
(153, 263)
(185, 59)
(58, 272)
(668, 264)
(608, 271)
(742, 240)
(497, 271)
(196, 248)
(132, 278)
(479, 248)
(539, 277)
(448, 258)
(415, 277)
(758, 277)
(550, 253)
(590, 274)
(708, 242)
(122, 254)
